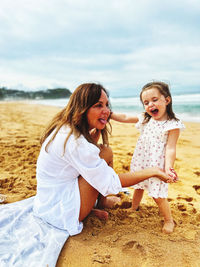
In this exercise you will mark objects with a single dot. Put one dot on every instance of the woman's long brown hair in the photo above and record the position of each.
(74, 114)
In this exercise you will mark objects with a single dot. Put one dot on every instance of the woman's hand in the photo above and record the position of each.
(95, 134)
(165, 177)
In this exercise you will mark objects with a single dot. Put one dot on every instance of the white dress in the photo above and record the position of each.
(33, 231)
(150, 152)
(58, 200)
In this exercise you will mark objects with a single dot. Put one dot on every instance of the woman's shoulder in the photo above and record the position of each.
(81, 144)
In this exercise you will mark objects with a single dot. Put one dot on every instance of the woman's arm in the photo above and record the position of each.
(131, 178)
(170, 153)
(95, 134)
(123, 118)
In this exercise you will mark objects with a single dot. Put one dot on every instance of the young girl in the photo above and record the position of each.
(156, 146)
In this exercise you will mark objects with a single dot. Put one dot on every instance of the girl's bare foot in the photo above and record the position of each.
(101, 214)
(168, 227)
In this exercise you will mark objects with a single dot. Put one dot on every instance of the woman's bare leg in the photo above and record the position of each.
(89, 195)
(109, 201)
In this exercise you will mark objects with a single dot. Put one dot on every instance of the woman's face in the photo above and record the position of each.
(98, 114)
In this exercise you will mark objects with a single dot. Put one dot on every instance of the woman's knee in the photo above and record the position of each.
(106, 154)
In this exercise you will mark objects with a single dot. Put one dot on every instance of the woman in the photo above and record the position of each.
(72, 170)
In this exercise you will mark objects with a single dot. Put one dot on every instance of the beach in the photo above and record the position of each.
(126, 238)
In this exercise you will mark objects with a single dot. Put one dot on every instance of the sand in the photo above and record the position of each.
(125, 239)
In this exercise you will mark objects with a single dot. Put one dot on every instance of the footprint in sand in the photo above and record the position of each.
(181, 207)
(134, 245)
(103, 259)
(4, 183)
(7, 183)
(197, 188)
(188, 199)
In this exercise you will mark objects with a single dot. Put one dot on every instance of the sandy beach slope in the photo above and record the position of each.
(126, 239)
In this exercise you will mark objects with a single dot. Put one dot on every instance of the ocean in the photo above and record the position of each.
(186, 107)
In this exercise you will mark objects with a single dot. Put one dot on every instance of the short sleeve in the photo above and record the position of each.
(85, 158)
(139, 125)
(174, 124)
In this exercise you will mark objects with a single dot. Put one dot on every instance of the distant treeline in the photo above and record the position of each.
(42, 94)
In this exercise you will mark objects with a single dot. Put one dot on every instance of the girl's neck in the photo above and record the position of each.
(164, 117)
(161, 119)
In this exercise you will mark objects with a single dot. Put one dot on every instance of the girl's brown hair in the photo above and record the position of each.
(163, 88)
(75, 114)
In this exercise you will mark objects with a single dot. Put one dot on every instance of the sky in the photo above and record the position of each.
(120, 44)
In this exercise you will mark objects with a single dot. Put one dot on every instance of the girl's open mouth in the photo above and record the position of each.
(154, 111)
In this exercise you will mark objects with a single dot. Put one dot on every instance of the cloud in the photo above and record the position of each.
(122, 44)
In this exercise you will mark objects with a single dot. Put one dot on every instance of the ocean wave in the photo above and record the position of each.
(187, 107)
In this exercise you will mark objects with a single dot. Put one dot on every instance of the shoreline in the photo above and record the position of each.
(136, 109)
(126, 239)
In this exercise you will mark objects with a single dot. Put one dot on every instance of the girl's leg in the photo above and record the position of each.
(137, 197)
(164, 208)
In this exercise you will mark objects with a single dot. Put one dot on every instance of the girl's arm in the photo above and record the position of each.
(132, 178)
(170, 153)
(123, 118)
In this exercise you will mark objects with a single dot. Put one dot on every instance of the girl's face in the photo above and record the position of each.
(98, 114)
(155, 104)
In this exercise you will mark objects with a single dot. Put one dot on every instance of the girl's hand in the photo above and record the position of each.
(163, 175)
(172, 173)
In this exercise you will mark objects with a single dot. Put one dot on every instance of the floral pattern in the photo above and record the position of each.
(150, 152)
